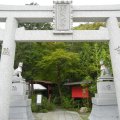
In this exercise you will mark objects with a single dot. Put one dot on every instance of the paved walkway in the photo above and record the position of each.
(58, 115)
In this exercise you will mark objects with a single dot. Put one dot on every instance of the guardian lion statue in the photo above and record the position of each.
(104, 70)
(18, 71)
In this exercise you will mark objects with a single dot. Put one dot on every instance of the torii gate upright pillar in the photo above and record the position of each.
(114, 44)
(7, 62)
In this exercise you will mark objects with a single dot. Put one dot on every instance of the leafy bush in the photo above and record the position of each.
(44, 107)
(34, 107)
(47, 104)
(67, 102)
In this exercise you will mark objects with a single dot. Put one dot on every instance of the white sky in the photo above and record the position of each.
(50, 2)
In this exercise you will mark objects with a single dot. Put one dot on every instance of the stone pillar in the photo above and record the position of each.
(104, 103)
(7, 62)
(114, 45)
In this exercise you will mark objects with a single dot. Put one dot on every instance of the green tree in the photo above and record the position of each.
(57, 64)
(91, 53)
(32, 51)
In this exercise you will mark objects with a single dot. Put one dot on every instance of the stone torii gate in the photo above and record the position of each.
(62, 13)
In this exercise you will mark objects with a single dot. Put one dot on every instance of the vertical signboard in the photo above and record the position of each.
(62, 17)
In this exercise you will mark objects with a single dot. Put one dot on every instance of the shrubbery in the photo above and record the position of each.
(47, 104)
(67, 102)
(44, 107)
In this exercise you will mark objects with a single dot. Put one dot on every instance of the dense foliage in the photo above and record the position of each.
(60, 61)
(89, 55)
(45, 105)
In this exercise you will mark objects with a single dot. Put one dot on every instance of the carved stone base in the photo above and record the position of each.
(105, 102)
(102, 112)
(21, 110)
(20, 107)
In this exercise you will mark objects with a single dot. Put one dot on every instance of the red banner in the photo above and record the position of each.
(79, 92)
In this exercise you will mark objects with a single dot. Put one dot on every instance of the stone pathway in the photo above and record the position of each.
(58, 115)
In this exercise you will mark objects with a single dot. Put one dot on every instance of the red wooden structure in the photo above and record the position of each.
(77, 90)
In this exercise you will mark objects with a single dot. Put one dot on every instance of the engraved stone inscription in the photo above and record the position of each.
(108, 87)
(62, 18)
(5, 51)
(63, 22)
(118, 49)
(14, 88)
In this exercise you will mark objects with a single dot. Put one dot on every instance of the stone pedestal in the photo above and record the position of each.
(20, 105)
(105, 102)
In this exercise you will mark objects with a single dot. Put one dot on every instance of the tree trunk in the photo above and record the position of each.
(59, 81)
(59, 90)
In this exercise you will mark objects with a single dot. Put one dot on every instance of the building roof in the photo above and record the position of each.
(39, 87)
(77, 83)
(43, 82)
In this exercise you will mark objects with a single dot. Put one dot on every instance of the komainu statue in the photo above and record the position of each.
(18, 71)
(104, 70)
